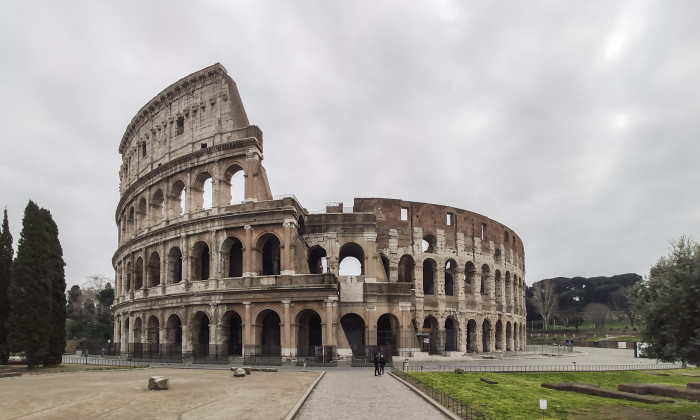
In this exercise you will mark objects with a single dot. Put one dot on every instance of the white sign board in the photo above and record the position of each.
(543, 404)
(621, 345)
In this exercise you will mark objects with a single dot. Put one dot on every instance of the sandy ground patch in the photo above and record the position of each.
(124, 394)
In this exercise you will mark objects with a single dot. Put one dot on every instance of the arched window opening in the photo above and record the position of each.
(352, 258)
(157, 206)
(385, 264)
(233, 326)
(407, 269)
(318, 263)
(174, 265)
(429, 243)
(471, 336)
(141, 214)
(136, 348)
(485, 271)
(431, 331)
(233, 249)
(509, 290)
(154, 270)
(200, 337)
(129, 286)
(509, 337)
(270, 344)
(177, 199)
(173, 336)
(486, 336)
(354, 329)
(309, 334)
(131, 222)
(451, 335)
(499, 286)
(208, 194)
(500, 338)
(388, 332)
(201, 261)
(152, 337)
(450, 267)
(235, 178)
(138, 274)
(428, 277)
(270, 256)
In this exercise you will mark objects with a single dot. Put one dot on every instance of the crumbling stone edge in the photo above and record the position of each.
(425, 396)
(295, 410)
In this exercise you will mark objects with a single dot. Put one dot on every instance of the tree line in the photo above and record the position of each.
(32, 287)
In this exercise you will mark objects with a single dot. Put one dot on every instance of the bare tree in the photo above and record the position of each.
(596, 312)
(545, 301)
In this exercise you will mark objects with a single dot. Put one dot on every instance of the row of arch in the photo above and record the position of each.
(178, 198)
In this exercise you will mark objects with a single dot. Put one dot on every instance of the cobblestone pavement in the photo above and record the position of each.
(358, 394)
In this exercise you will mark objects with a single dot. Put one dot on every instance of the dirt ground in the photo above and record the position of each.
(124, 394)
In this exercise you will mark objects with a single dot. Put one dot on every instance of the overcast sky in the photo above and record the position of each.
(575, 123)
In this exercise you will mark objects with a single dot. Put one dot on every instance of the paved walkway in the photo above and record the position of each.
(358, 394)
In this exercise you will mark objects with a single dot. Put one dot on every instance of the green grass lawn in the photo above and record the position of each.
(517, 395)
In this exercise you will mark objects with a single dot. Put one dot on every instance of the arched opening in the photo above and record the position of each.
(469, 275)
(471, 336)
(509, 337)
(352, 258)
(176, 199)
(429, 244)
(354, 328)
(201, 261)
(232, 248)
(157, 206)
(129, 286)
(317, 260)
(509, 292)
(173, 338)
(309, 334)
(201, 191)
(500, 338)
(269, 338)
(432, 341)
(407, 269)
(174, 265)
(234, 177)
(233, 331)
(451, 335)
(153, 339)
(141, 214)
(486, 336)
(137, 345)
(388, 332)
(138, 274)
(270, 255)
(516, 336)
(485, 287)
(154, 269)
(499, 287)
(301, 226)
(428, 277)
(131, 222)
(385, 264)
(450, 267)
(200, 335)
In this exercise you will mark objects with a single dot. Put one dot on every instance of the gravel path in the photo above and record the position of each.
(358, 394)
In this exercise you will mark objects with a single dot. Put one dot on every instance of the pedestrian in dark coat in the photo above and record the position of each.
(376, 365)
(382, 362)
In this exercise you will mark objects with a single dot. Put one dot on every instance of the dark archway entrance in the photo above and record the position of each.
(270, 344)
(234, 328)
(451, 335)
(388, 332)
(471, 336)
(200, 337)
(354, 328)
(309, 335)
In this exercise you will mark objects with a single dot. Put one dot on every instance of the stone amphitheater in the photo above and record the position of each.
(212, 266)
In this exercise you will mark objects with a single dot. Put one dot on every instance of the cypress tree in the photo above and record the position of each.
(6, 254)
(37, 276)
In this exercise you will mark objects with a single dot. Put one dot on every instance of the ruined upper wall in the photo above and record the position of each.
(198, 111)
(476, 228)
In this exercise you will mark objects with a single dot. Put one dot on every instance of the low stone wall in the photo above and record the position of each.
(596, 390)
(665, 390)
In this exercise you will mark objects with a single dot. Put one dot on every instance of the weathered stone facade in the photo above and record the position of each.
(203, 274)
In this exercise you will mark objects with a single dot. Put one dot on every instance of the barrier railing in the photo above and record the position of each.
(544, 368)
(464, 411)
(102, 361)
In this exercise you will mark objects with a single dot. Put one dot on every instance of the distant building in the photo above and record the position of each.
(211, 265)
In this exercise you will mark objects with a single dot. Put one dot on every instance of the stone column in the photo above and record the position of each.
(286, 341)
(248, 269)
(286, 263)
(328, 338)
(247, 326)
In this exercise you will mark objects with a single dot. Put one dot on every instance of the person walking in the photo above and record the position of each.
(376, 364)
(382, 362)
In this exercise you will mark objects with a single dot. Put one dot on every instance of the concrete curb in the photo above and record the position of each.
(421, 394)
(295, 410)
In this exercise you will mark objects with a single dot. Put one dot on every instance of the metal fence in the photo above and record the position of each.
(102, 361)
(461, 409)
(544, 368)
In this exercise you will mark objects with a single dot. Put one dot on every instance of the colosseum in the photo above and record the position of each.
(211, 266)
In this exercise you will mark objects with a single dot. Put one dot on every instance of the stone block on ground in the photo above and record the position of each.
(268, 370)
(596, 390)
(489, 381)
(693, 385)
(158, 383)
(459, 370)
(664, 390)
(240, 372)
